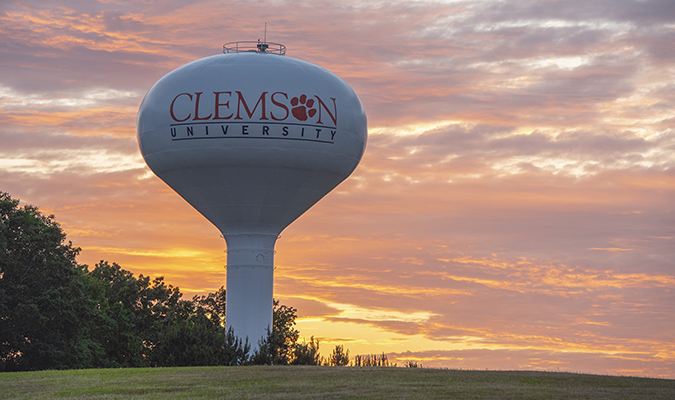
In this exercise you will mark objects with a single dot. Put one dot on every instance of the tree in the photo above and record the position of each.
(307, 353)
(132, 313)
(190, 341)
(214, 305)
(56, 314)
(339, 357)
(284, 334)
(277, 347)
(194, 334)
(372, 360)
(45, 311)
(235, 352)
(145, 323)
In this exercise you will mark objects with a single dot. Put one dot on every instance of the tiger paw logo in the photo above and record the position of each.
(302, 108)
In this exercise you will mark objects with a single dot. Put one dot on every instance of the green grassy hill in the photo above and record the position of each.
(277, 382)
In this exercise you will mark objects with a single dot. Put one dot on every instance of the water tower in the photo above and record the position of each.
(251, 139)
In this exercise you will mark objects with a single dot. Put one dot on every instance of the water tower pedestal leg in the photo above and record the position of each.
(250, 285)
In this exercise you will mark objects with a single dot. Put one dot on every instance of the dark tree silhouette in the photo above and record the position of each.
(57, 314)
(45, 311)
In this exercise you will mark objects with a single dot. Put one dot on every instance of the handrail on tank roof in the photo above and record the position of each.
(252, 46)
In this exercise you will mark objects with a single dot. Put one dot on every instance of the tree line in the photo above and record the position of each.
(58, 314)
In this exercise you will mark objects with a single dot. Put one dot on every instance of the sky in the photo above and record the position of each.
(514, 208)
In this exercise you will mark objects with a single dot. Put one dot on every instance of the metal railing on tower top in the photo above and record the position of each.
(254, 47)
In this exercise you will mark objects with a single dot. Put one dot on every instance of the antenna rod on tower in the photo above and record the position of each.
(265, 37)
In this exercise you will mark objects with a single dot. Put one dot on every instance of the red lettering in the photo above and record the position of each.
(174, 102)
(197, 118)
(330, 114)
(276, 103)
(241, 101)
(219, 104)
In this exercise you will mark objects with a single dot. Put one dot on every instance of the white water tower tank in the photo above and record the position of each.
(251, 139)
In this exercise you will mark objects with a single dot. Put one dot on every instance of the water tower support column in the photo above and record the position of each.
(250, 285)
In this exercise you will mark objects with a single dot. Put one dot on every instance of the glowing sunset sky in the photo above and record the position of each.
(515, 207)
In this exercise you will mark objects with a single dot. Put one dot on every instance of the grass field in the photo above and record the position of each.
(277, 382)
